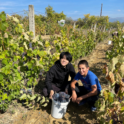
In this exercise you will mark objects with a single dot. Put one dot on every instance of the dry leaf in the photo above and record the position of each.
(110, 77)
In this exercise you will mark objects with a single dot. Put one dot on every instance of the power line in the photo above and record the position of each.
(17, 12)
(28, 10)
(40, 13)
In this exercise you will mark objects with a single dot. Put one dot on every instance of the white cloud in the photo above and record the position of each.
(3, 8)
(7, 4)
(75, 11)
(71, 13)
(14, 4)
(118, 10)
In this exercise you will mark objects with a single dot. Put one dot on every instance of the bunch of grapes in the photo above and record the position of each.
(28, 91)
(61, 97)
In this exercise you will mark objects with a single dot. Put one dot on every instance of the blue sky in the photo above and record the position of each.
(72, 8)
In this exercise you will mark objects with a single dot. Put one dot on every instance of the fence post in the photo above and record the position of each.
(95, 27)
(104, 28)
(123, 28)
(74, 25)
(31, 19)
(91, 26)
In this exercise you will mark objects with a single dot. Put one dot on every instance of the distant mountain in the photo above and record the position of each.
(120, 19)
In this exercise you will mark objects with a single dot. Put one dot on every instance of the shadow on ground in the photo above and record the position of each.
(75, 114)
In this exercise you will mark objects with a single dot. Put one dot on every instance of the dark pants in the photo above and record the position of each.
(81, 90)
(55, 89)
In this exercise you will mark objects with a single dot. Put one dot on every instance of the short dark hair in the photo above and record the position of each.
(67, 54)
(84, 62)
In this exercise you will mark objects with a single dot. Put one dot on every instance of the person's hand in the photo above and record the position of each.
(79, 99)
(74, 97)
(66, 91)
(51, 94)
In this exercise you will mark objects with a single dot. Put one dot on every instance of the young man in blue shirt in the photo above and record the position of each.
(91, 88)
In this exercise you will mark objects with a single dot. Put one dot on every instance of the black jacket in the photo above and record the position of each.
(58, 75)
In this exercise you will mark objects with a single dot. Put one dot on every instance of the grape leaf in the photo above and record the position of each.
(38, 99)
(43, 100)
(4, 96)
(33, 97)
(44, 105)
(1, 77)
(23, 97)
(26, 47)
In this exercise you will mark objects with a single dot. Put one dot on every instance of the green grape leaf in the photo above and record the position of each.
(33, 97)
(47, 100)
(38, 99)
(44, 105)
(26, 47)
(26, 36)
(3, 26)
(111, 94)
(23, 97)
(3, 16)
(1, 77)
(9, 98)
(40, 43)
(43, 100)
(26, 103)
(4, 61)
(28, 96)
(105, 94)
(102, 108)
(4, 96)
(111, 121)
(31, 107)
(21, 91)
(15, 19)
(122, 108)
(111, 97)
(35, 39)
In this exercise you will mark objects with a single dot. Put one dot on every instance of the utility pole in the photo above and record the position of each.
(101, 10)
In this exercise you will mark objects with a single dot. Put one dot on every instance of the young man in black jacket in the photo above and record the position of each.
(57, 77)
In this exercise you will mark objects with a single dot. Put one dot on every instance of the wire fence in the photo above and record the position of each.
(26, 12)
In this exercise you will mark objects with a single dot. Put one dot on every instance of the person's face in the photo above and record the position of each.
(64, 61)
(83, 70)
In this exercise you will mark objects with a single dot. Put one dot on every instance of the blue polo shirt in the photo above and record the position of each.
(89, 80)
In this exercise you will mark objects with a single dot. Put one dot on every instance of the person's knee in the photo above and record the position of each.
(76, 89)
(95, 98)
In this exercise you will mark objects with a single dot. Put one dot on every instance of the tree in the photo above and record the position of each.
(69, 20)
(52, 16)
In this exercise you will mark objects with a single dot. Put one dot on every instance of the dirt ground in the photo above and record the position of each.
(75, 114)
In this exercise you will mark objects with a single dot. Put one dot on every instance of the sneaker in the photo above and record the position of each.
(82, 102)
(93, 108)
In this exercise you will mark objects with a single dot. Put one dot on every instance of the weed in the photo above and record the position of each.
(13, 112)
(24, 116)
